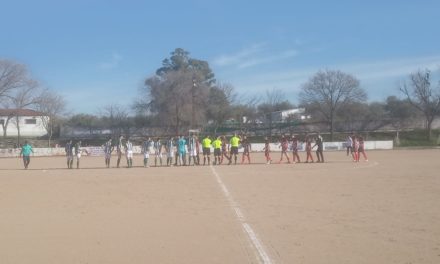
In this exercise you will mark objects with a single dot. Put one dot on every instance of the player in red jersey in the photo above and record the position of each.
(361, 149)
(284, 144)
(267, 150)
(294, 148)
(308, 142)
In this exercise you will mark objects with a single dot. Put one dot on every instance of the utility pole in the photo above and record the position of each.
(193, 111)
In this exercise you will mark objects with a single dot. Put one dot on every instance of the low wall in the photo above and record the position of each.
(98, 151)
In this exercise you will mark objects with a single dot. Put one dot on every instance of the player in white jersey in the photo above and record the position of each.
(170, 151)
(146, 145)
(157, 145)
(108, 149)
(119, 150)
(78, 151)
(129, 153)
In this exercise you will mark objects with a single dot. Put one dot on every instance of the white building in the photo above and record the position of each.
(296, 113)
(29, 121)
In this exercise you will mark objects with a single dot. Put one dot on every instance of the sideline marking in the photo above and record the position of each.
(263, 257)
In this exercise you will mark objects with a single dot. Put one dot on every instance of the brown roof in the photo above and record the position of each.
(20, 112)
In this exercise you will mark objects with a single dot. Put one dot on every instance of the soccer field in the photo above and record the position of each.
(386, 210)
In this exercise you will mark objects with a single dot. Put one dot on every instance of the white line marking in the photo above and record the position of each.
(262, 256)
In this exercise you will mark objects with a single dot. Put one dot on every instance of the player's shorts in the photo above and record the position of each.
(119, 152)
(69, 157)
(129, 154)
(146, 155)
(158, 154)
(361, 149)
(26, 158)
(234, 150)
(350, 148)
(217, 152)
(206, 151)
(193, 153)
(182, 153)
(78, 156)
(108, 155)
(171, 154)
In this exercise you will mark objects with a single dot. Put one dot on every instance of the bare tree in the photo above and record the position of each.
(25, 96)
(327, 91)
(51, 105)
(8, 113)
(12, 76)
(117, 119)
(422, 96)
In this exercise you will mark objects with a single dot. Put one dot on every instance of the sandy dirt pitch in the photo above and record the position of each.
(386, 210)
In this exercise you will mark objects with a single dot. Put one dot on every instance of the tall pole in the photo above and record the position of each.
(193, 113)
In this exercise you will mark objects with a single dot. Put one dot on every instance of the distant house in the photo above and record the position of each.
(283, 116)
(29, 121)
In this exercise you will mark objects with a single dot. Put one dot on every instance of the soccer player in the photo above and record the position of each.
(294, 146)
(192, 148)
(69, 154)
(108, 149)
(246, 150)
(349, 144)
(206, 145)
(224, 149)
(217, 144)
(170, 151)
(267, 150)
(320, 149)
(78, 152)
(26, 151)
(146, 145)
(361, 149)
(308, 142)
(284, 144)
(119, 148)
(129, 153)
(157, 145)
(182, 151)
(234, 142)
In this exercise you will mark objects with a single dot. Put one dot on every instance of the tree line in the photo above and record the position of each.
(184, 94)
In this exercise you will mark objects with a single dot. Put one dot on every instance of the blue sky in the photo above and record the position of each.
(97, 53)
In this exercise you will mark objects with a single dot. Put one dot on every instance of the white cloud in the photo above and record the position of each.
(113, 63)
(381, 75)
(252, 56)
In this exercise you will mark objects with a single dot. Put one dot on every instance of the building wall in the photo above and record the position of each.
(29, 126)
